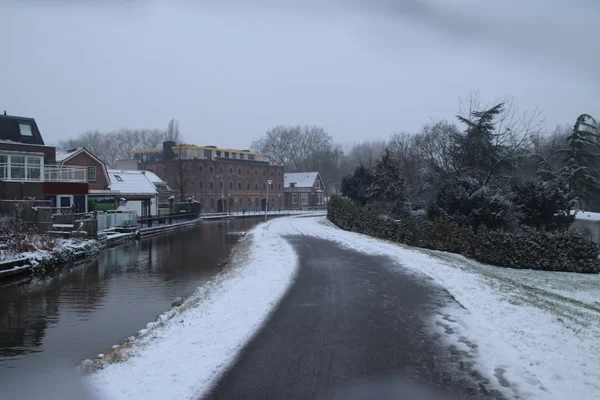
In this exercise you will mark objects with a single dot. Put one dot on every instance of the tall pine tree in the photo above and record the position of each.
(388, 189)
(581, 157)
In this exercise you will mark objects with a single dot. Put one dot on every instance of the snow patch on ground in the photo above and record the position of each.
(533, 333)
(181, 354)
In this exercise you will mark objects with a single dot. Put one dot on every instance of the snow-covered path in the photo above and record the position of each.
(535, 336)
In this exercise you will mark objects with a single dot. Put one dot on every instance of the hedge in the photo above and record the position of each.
(524, 248)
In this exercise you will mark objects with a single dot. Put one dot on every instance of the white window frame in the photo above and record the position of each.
(29, 131)
(294, 198)
(27, 166)
(303, 199)
(91, 168)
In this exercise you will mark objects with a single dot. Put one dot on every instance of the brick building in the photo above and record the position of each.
(219, 183)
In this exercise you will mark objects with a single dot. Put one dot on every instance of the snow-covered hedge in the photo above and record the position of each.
(524, 248)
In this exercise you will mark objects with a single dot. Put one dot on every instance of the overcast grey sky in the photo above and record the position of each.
(228, 71)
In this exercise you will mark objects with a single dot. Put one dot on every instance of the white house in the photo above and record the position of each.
(139, 188)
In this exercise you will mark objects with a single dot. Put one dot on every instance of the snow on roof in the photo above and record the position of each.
(152, 177)
(586, 215)
(63, 155)
(302, 179)
(131, 182)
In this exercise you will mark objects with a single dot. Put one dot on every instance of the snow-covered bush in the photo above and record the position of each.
(525, 248)
(465, 201)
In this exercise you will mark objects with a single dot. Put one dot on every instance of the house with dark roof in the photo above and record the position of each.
(303, 190)
(28, 168)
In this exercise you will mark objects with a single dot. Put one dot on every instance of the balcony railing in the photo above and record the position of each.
(54, 173)
(29, 172)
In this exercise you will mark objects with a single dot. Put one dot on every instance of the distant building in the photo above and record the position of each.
(28, 167)
(219, 179)
(304, 190)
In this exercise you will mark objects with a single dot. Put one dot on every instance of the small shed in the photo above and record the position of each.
(135, 187)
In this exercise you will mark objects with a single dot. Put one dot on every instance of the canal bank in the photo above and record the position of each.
(84, 310)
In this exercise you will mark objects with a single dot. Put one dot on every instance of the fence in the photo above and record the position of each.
(166, 219)
(116, 219)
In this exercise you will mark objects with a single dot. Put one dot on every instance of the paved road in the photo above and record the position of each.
(347, 318)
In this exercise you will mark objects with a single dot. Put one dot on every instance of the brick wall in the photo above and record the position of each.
(212, 181)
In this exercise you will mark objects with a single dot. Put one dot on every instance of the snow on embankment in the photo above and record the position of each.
(181, 354)
(534, 333)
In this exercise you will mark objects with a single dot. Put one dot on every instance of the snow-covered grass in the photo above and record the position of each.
(182, 353)
(536, 332)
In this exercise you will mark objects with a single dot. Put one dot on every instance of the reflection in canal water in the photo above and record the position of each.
(85, 310)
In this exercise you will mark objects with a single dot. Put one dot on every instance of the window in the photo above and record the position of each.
(250, 156)
(91, 174)
(230, 202)
(3, 167)
(200, 169)
(255, 172)
(218, 153)
(279, 173)
(272, 206)
(34, 168)
(239, 171)
(212, 203)
(221, 170)
(317, 184)
(118, 178)
(271, 187)
(241, 203)
(249, 202)
(271, 173)
(211, 184)
(201, 185)
(264, 173)
(279, 186)
(25, 129)
(211, 170)
(208, 154)
(230, 185)
(233, 155)
(264, 186)
(319, 198)
(239, 185)
(255, 202)
(256, 186)
(226, 154)
(304, 199)
(17, 167)
(248, 186)
(294, 198)
(247, 172)
(241, 156)
(221, 184)
(280, 202)
(231, 170)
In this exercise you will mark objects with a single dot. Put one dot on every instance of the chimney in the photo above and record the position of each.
(4, 112)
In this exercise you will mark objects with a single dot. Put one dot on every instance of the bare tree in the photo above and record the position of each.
(180, 173)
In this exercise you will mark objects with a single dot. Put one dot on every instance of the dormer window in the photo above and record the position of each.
(118, 177)
(25, 130)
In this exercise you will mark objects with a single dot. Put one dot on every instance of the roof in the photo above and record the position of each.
(10, 129)
(65, 155)
(586, 215)
(193, 147)
(131, 182)
(302, 179)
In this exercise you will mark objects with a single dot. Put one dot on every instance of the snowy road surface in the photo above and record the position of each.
(360, 307)
(348, 317)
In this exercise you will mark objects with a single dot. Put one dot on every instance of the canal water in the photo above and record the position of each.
(85, 310)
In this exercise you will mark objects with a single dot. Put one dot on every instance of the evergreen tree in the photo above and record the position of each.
(355, 186)
(581, 158)
(387, 191)
(474, 150)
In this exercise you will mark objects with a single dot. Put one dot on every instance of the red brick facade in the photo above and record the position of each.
(83, 159)
(241, 185)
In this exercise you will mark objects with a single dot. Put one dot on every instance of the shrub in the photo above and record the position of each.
(524, 248)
